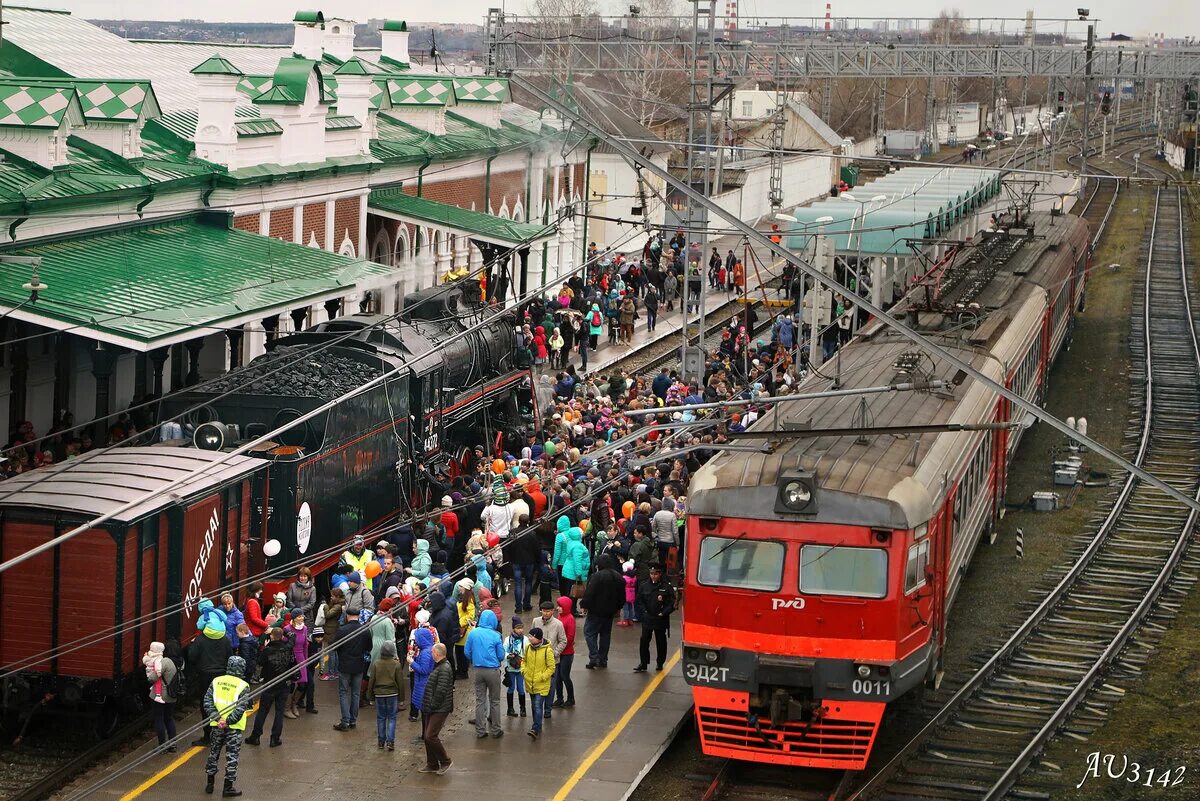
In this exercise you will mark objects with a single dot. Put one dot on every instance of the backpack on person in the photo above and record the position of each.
(596, 318)
(177, 686)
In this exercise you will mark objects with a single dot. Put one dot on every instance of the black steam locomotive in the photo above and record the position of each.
(455, 384)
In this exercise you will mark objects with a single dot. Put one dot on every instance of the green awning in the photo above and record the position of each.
(395, 204)
(147, 285)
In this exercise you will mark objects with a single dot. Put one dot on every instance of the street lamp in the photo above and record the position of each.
(862, 222)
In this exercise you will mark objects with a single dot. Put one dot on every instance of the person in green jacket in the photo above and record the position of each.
(576, 561)
(385, 682)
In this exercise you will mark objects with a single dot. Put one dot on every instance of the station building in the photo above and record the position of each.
(183, 203)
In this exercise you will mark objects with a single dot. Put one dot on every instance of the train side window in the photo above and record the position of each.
(840, 570)
(740, 563)
(914, 569)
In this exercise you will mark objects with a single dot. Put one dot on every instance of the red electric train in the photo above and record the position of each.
(820, 575)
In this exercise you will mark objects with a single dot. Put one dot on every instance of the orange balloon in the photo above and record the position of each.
(373, 569)
(497, 466)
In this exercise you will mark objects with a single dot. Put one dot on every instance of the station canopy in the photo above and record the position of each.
(921, 202)
(147, 285)
(490, 228)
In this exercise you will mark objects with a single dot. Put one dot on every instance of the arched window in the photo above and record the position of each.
(402, 244)
(381, 250)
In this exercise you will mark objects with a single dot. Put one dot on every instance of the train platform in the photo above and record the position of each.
(671, 323)
(597, 750)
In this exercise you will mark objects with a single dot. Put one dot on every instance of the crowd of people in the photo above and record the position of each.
(580, 526)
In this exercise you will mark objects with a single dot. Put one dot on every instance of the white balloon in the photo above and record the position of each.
(271, 547)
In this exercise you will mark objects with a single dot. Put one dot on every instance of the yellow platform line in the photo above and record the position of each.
(174, 765)
(162, 774)
(618, 727)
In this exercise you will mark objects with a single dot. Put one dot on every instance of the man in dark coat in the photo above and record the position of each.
(443, 618)
(654, 605)
(354, 644)
(603, 599)
(207, 656)
(436, 706)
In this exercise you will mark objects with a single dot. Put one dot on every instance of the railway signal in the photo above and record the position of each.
(1106, 102)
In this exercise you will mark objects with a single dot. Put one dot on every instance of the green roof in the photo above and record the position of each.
(290, 82)
(341, 122)
(394, 25)
(254, 85)
(355, 66)
(920, 202)
(311, 17)
(475, 224)
(420, 91)
(216, 65)
(149, 284)
(247, 122)
(31, 104)
(481, 89)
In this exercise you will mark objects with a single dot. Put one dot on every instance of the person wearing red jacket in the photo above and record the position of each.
(562, 689)
(449, 521)
(254, 612)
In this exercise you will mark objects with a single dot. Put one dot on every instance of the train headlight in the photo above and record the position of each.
(711, 657)
(864, 671)
(796, 493)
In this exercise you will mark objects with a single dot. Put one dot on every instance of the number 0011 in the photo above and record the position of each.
(869, 687)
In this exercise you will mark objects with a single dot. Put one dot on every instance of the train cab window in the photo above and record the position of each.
(740, 563)
(837, 570)
(914, 569)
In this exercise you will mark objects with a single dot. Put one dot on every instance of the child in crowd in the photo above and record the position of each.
(514, 656)
(628, 616)
(538, 671)
(248, 650)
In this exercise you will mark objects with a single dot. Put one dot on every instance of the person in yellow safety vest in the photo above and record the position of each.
(225, 704)
(357, 557)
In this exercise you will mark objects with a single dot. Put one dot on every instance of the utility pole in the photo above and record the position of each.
(818, 299)
(1089, 52)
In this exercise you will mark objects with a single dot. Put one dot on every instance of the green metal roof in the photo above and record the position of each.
(394, 25)
(311, 17)
(149, 284)
(921, 202)
(247, 122)
(254, 85)
(341, 122)
(420, 91)
(480, 89)
(355, 66)
(119, 100)
(290, 82)
(262, 126)
(476, 224)
(216, 65)
(31, 104)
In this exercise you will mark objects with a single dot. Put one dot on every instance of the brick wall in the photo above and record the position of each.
(282, 223)
(508, 186)
(461, 192)
(313, 224)
(345, 222)
(246, 222)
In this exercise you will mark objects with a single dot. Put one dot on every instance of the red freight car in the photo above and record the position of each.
(67, 612)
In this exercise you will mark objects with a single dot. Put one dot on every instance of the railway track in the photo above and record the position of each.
(42, 764)
(744, 781)
(997, 724)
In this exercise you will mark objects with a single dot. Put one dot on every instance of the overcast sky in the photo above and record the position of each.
(1175, 17)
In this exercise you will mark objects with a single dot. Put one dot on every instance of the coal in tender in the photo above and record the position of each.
(293, 372)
